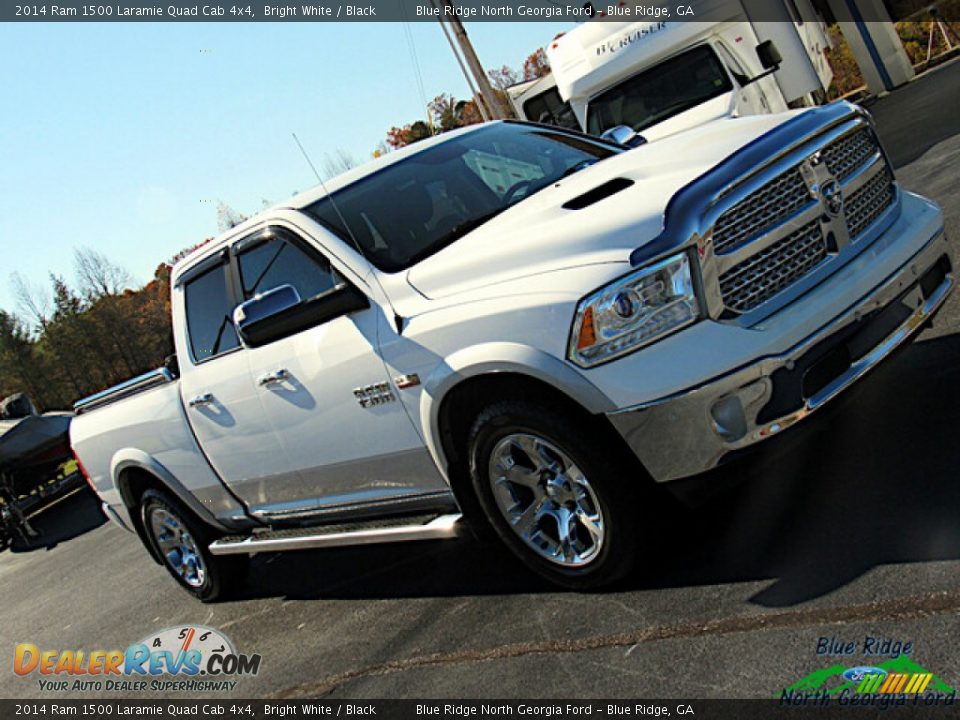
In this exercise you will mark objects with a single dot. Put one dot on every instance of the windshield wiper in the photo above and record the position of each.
(578, 167)
(458, 231)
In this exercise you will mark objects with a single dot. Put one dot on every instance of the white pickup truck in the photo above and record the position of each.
(528, 327)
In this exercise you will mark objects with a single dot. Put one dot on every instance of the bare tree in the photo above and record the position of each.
(337, 163)
(32, 301)
(98, 276)
(227, 217)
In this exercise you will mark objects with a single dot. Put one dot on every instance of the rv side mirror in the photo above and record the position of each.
(624, 135)
(768, 55)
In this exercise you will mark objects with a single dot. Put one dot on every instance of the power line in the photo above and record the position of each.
(411, 46)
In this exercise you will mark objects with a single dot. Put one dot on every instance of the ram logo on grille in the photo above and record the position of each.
(832, 197)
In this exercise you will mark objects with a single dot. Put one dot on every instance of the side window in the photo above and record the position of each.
(548, 107)
(278, 261)
(209, 314)
(736, 69)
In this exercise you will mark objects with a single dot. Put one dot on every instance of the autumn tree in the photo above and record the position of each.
(408, 134)
(536, 65)
(88, 339)
(504, 77)
(448, 113)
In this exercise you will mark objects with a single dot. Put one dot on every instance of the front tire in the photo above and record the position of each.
(558, 493)
(182, 541)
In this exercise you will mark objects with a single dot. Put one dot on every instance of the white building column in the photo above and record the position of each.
(874, 43)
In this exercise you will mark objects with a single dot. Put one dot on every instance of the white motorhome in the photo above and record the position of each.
(539, 100)
(665, 76)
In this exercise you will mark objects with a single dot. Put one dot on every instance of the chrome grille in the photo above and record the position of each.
(758, 277)
(768, 272)
(849, 153)
(769, 206)
(869, 202)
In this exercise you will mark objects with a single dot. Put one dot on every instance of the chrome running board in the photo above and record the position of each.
(432, 527)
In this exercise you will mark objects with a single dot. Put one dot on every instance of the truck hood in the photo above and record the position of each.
(538, 235)
(714, 109)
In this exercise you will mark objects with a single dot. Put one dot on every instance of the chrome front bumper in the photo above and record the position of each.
(696, 430)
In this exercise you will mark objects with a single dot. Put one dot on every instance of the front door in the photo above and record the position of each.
(347, 442)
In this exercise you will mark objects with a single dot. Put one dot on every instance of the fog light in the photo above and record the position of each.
(729, 420)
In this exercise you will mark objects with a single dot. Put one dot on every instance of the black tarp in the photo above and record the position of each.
(34, 440)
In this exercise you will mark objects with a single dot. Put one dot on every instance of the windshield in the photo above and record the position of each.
(413, 208)
(667, 89)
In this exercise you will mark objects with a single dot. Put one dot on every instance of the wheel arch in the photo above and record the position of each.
(472, 378)
(134, 472)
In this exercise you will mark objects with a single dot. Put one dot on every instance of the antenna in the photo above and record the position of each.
(333, 203)
(346, 225)
(310, 163)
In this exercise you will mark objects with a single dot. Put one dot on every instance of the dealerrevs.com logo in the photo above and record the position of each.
(186, 658)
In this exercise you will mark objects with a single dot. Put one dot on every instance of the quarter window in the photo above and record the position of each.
(210, 314)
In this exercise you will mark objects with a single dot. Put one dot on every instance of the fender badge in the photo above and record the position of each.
(372, 395)
(406, 381)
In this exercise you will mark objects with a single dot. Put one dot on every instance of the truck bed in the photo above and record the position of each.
(144, 425)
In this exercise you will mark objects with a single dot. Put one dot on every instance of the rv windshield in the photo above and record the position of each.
(413, 208)
(660, 92)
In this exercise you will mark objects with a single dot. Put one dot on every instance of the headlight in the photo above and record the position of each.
(634, 311)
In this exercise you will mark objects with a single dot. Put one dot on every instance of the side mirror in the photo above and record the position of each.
(280, 312)
(624, 135)
(253, 317)
(769, 55)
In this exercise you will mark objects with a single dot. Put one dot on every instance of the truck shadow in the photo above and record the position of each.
(870, 481)
(69, 517)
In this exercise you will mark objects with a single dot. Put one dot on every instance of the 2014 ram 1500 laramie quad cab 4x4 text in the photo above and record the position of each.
(527, 326)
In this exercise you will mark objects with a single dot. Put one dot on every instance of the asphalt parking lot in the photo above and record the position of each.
(846, 528)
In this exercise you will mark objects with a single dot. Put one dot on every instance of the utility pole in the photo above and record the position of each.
(474, 93)
(487, 93)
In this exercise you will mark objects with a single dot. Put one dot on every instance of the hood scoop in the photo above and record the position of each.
(611, 187)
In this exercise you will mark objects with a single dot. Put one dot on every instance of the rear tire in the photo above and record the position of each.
(559, 493)
(182, 542)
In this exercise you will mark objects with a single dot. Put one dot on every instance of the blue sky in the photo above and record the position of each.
(122, 137)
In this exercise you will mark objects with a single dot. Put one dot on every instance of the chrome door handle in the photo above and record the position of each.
(204, 399)
(273, 377)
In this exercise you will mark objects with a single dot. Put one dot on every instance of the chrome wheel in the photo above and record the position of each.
(177, 546)
(546, 499)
